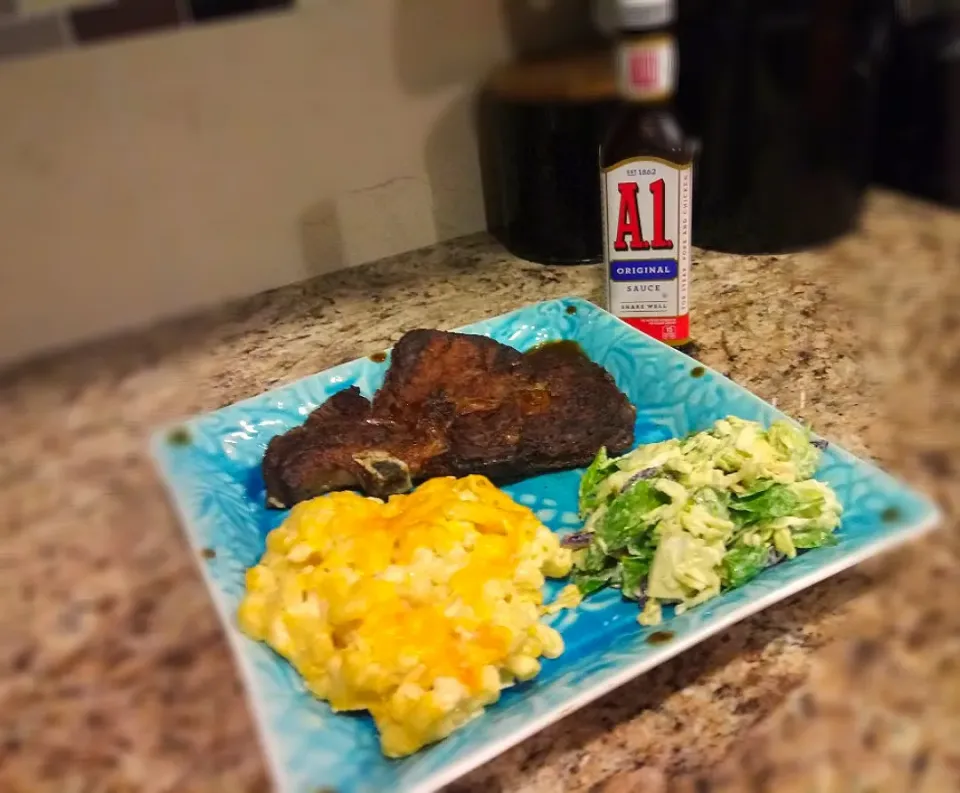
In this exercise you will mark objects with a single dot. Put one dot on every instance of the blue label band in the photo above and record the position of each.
(644, 270)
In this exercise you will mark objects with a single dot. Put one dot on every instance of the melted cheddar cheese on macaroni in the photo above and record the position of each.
(419, 610)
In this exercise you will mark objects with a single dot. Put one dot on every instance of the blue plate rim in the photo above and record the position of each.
(160, 454)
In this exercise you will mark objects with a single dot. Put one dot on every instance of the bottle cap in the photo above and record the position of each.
(643, 14)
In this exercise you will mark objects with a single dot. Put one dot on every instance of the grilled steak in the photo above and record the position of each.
(453, 404)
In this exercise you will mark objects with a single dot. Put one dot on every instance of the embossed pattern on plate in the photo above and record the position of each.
(211, 466)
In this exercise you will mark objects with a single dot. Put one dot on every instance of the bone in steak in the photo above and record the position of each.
(453, 404)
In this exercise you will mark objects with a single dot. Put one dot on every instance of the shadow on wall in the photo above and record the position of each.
(428, 60)
(321, 237)
(440, 49)
(475, 38)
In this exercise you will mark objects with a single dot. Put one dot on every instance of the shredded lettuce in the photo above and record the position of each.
(776, 501)
(741, 563)
(588, 583)
(628, 516)
(634, 571)
(685, 568)
(599, 469)
(681, 520)
(592, 560)
(813, 538)
(796, 445)
(594, 570)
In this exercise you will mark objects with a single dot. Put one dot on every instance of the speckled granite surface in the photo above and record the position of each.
(114, 675)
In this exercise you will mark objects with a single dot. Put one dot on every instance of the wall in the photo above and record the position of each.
(151, 177)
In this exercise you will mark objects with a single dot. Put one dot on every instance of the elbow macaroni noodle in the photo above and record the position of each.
(419, 610)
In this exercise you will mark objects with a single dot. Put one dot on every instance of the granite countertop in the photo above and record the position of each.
(114, 673)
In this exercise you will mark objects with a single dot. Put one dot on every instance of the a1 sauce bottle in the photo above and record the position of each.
(646, 171)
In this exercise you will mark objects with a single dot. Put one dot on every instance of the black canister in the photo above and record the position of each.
(782, 97)
(541, 128)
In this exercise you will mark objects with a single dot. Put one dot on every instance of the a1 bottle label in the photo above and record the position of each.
(647, 215)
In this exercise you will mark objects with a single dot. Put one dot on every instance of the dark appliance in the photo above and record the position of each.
(541, 124)
(781, 95)
(918, 134)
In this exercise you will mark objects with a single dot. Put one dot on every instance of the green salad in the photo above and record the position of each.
(682, 520)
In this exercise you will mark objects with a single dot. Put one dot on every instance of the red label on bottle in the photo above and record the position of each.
(666, 330)
(628, 218)
(646, 67)
(647, 210)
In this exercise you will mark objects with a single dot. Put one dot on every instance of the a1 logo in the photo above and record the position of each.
(628, 219)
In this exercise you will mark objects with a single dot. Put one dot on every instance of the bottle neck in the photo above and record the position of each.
(646, 67)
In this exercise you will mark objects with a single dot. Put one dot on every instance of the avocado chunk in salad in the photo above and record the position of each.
(682, 520)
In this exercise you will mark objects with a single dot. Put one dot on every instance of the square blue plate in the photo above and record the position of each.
(211, 465)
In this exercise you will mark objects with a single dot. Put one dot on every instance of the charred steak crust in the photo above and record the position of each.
(453, 404)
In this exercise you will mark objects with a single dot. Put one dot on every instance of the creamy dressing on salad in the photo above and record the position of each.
(679, 521)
